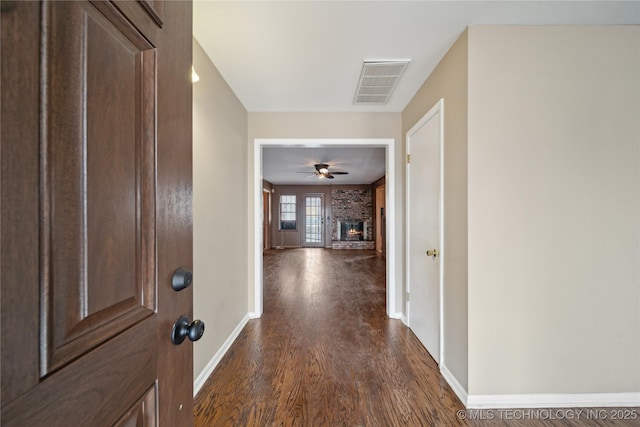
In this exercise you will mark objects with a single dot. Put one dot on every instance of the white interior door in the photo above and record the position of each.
(313, 220)
(424, 236)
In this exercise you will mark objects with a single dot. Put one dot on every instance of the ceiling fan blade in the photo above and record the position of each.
(328, 175)
(339, 173)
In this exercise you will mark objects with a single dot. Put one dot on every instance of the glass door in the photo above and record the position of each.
(314, 220)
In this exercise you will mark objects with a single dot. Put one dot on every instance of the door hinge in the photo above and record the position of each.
(408, 158)
(408, 296)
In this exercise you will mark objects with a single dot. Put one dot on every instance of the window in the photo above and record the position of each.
(287, 212)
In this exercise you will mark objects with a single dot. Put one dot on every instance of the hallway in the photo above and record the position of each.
(324, 353)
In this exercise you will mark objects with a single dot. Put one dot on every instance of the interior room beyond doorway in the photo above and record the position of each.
(389, 194)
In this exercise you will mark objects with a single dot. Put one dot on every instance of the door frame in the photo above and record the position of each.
(256, 250)
(323, 232)
(438, 108)
(266, 219)
(378, 218)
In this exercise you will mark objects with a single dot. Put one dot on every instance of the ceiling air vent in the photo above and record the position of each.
(377, 81)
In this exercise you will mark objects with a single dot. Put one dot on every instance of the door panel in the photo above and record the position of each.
(96, 212)
(313, 220)
(153, 8)
(94, 390)
(423, 231)
(143, 412)
(98, 198)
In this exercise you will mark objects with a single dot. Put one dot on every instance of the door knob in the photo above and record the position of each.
(182, 329)
(433, 252)
(182, 279)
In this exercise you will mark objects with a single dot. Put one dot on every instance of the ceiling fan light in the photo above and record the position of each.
(323, 170)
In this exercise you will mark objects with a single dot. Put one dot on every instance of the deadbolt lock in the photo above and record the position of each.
(182, 279)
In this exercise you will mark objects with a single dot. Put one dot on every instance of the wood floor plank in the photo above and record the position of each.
(324, 353)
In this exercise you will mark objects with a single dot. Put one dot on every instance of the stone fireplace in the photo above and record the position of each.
(352, 226)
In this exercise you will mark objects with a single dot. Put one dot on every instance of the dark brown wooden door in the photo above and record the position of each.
(96, 212)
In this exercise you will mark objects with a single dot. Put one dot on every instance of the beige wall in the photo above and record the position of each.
(324, 125)
(449, 81)
(219, 208)
(554, 194)
(328, 125)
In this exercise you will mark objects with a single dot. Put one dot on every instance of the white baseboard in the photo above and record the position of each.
(403, 318)
(253, 315)
(500, 401)
(582, 400)
(204, 375)
(454, 384)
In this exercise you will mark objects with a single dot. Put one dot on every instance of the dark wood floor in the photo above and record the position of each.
(324, 353)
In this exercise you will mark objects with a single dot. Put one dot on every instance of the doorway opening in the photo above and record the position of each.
(390, 241)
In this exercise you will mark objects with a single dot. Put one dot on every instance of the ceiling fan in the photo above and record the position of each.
(322, 171)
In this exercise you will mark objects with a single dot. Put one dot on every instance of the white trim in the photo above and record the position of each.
(457, 388)
(443, 252)
(257, 238)
(389, 144)
(217, 357)
(438, 108)
(266, 190)
(581, 400)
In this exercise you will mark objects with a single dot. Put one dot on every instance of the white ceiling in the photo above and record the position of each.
(307, 55)
(292, 56)
(281, 165)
